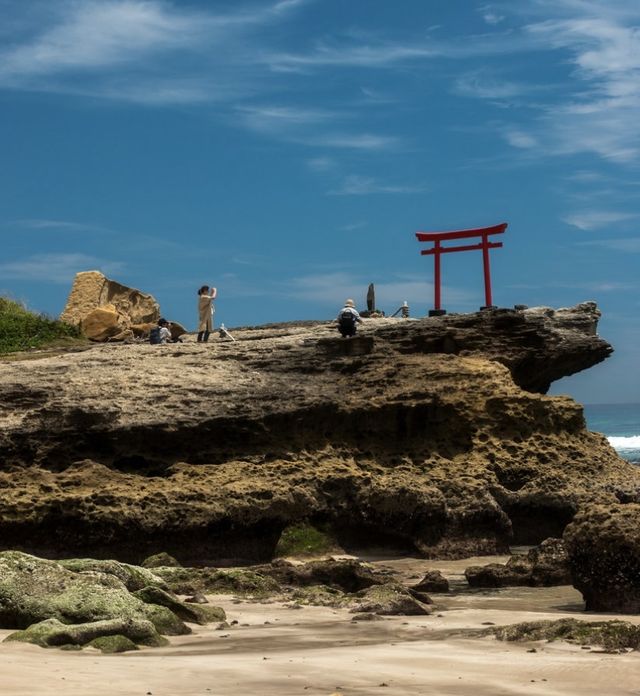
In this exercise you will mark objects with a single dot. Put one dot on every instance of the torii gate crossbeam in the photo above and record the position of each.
(436, 250)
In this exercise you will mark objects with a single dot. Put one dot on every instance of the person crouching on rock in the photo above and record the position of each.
(160, 333)
(347, 319)
(205, 312)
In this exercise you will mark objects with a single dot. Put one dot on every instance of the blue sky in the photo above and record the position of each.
(287, 151)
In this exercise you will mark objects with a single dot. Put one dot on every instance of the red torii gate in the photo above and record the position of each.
(436, 250)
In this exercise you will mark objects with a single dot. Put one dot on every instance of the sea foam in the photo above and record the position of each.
(620, 443)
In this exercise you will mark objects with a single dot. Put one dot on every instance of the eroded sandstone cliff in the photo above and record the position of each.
(428, 435)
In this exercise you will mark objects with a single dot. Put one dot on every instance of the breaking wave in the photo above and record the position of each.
(625, 443)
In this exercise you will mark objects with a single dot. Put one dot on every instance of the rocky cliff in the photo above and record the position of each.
(430, 435)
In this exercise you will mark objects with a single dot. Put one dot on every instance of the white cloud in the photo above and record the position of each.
(281, 120)
(324, 55)
(56, 268)
(146, 51)
(355, 185)
(595, 219)
(520, 139)
(94, 35)
(601, 113)
(492, 18)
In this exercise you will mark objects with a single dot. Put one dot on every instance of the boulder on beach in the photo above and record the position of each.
(347, 575)
(111, 635)
(193, 613)
(388, 600)
(160, 560)
(543, 566)
(603, 546)
(433, 581)
(33, 589)
(611, 636)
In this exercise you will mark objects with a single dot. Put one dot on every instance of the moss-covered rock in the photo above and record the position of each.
(194, 613)
(610, 635)
(319, 596)
(165, 620)
(238, 581)
(160, 560)
(389, 599)
(113, 644)
(603, 544)
(133, 577)
(346, 575)
(53, 633)
(33, 589)
(305, 540)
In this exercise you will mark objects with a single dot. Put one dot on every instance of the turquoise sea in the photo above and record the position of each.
(620, 423)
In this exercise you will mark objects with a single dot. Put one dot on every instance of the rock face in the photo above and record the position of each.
(544, 566)
(106, 309)
(603, 545)
(430, 436)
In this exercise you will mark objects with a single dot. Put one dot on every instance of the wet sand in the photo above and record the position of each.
(276, 650)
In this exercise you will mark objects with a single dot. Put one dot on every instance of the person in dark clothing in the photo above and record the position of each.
(348, 319)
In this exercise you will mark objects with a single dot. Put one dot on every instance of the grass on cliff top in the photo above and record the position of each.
(22, 330)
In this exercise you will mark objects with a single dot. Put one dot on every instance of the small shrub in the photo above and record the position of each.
(304, 540)
(21, 329)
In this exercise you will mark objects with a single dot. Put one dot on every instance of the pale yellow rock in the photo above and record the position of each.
(91, 289)
(103, 323)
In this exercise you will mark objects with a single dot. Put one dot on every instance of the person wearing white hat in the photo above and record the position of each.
(348, 319)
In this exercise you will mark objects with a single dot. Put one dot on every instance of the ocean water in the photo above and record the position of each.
(620, 423)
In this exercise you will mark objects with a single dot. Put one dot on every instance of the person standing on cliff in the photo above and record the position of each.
(205, 312)
(347, 319)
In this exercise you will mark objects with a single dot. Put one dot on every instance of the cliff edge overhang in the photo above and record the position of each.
(432, 435)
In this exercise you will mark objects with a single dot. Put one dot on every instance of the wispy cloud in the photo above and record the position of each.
(355, 185)
(334, 288)
(596, 219)
(520, 139)
(353, 226)
(54, 225)
(56, 268)
(321, 164)
(147, 51)
(314, 127)
(629, 245)
(483, 85)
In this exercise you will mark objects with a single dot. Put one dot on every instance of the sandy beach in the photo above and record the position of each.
(277, 650)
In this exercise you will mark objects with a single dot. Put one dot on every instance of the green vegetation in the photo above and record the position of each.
(304, 540)
(21, 329)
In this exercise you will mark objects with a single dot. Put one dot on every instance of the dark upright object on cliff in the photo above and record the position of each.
(371, 298)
